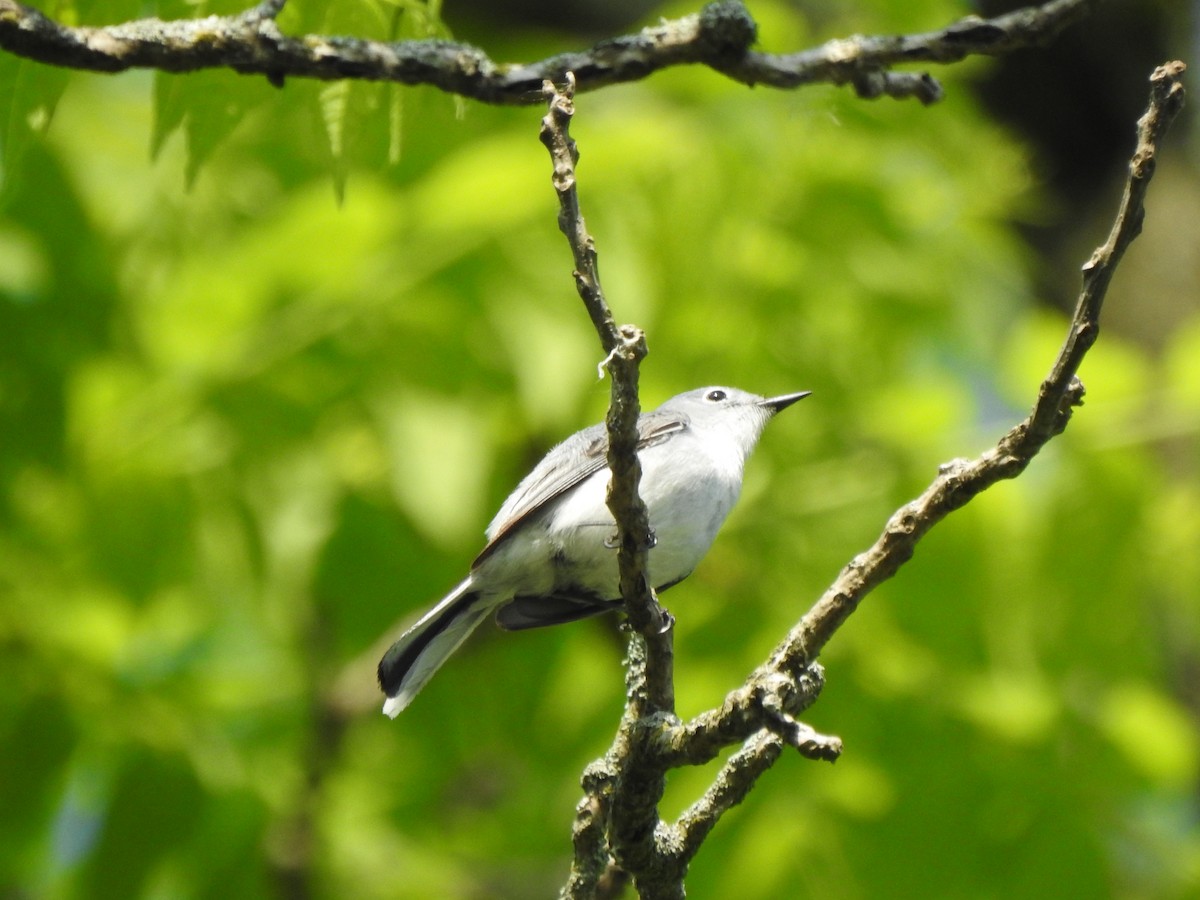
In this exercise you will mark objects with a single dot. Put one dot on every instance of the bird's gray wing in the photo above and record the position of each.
(566, 465)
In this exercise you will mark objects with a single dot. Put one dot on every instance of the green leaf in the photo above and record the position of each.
(208, 106)
(335, 99)
(29, 94)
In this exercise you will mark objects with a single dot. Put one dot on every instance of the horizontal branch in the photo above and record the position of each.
(719, 36)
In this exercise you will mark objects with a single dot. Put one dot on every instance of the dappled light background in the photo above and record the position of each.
(261, 393)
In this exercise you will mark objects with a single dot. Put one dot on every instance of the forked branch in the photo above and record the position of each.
(617, 826)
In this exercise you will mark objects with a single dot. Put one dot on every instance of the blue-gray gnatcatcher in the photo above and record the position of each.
(551, 553)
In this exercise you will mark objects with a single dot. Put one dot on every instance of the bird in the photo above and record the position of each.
(551, 556)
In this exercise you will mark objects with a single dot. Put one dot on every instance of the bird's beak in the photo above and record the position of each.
(783, 401)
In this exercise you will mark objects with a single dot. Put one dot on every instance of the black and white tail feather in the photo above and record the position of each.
(419, 653)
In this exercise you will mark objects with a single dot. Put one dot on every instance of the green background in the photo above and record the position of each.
(249, 431)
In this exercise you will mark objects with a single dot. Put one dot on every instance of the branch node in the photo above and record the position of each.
(1075, 391)
(778, 696)
(869, 84)
(630, 349)
(266, 10)
(727, 28)
(953, 467)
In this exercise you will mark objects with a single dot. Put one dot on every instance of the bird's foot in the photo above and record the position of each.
(613, 541)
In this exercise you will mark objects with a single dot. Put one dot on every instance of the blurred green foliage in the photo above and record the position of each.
(247, 431)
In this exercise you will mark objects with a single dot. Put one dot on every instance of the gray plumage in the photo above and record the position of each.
(551, 557)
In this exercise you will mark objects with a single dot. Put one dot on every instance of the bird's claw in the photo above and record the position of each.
(668, 621)
(613, 541)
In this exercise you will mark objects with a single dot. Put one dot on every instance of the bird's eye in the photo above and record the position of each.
(715, 396)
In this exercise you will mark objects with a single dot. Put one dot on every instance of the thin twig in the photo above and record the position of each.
(626, 347)
(733, 783)
(555, 135)
(959, 481)
(720, 36)
(789, 680)
(618, 817)
(623, 788)
(761, 713)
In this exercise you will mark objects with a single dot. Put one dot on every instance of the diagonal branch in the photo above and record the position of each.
(732, 785)
(959, 481)
(719, 36)
(618, 830)
(789, 680)
(617, 824)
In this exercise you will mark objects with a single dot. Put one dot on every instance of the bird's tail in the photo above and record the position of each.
(411, 661)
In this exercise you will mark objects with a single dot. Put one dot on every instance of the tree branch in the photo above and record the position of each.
(959, 481)
(731, 786)
(626, 347)
(719, 36)
(617, 818)
(789, 680)
(760, 714)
